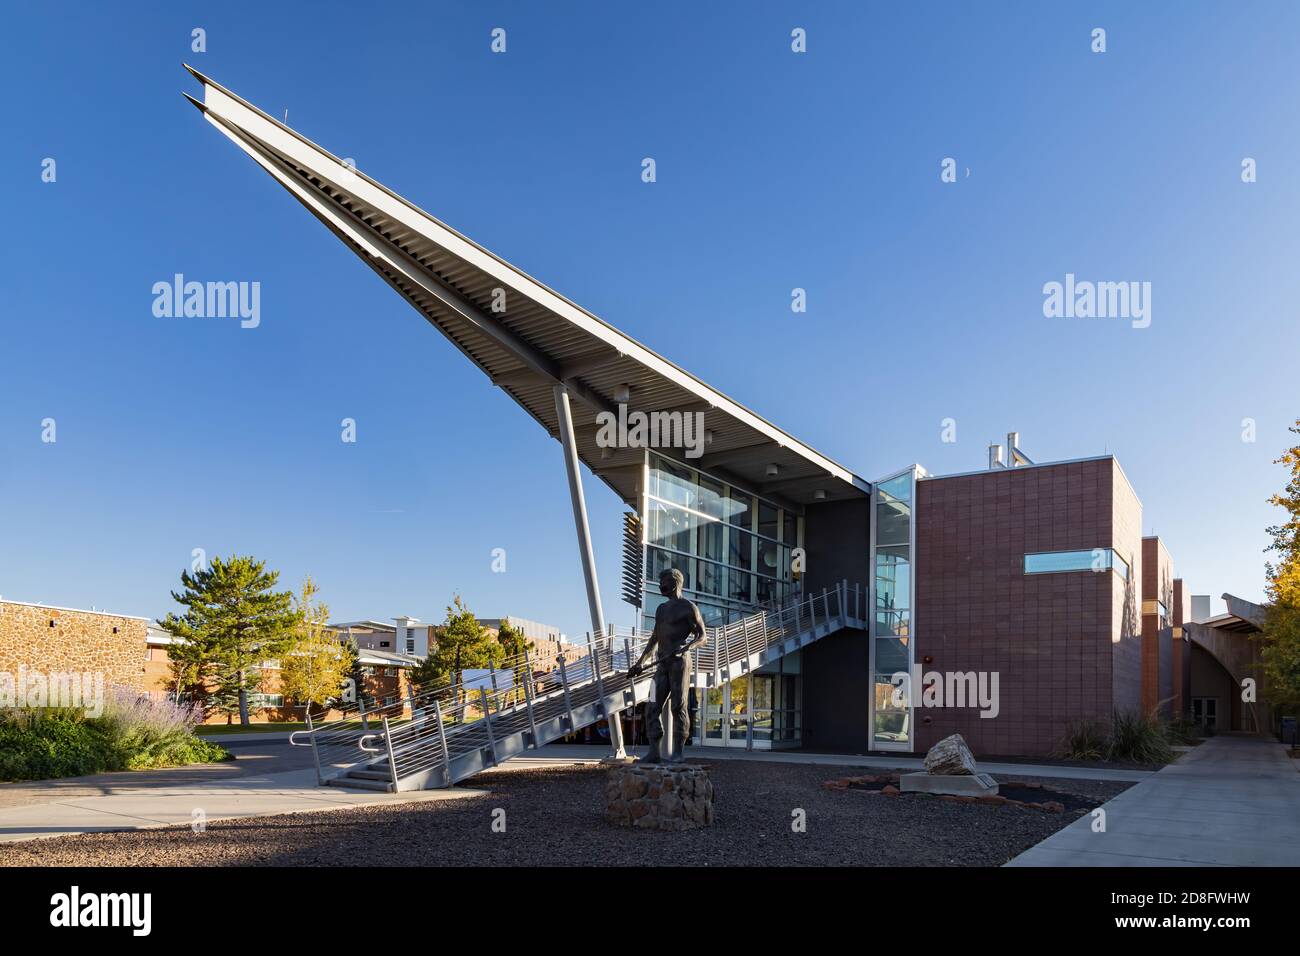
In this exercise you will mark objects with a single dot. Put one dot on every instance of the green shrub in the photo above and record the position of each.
(1131, 737)
(1084, 740)
(178, 753)
(1182, 731)
(132, 733)
(1138, 738)
(41, 745)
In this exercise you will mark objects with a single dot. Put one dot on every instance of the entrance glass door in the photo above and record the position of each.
(754, 712)
(715, 699)
(737, 734)
(1205, 711)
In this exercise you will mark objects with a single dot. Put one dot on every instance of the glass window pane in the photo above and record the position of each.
(893, 621)
(670, 527)
(1119, 564)
(710, 578)
(891, 710)
(767, 525)
(893, 523)
(893, 580)
(896, 489)
(710, 539)
(1096, 559)
(712, 497)
(763, 691)
(769, 560)
(672, 482)
(740, 509)
(660, 561)
(740, 586)
(713, 614)
(892, 655)
(742, 549)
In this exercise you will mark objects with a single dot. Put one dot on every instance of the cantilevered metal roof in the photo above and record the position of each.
(541, 339)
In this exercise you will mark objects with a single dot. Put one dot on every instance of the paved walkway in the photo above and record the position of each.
(266, 777)
(136, 808)
(1233, 801)
(581, 753)
(270, 777)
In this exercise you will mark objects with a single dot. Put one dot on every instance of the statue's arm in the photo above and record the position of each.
(697, 630)
(650, 646)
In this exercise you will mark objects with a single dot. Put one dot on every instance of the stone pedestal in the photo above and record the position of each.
(659, 796)
(957, 785)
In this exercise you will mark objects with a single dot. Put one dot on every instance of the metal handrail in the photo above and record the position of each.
(441, 727)
(419, 746)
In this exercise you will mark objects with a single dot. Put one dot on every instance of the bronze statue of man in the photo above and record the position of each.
(678, 627)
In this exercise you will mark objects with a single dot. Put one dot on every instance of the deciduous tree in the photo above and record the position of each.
(1280, 653)
(315, 669)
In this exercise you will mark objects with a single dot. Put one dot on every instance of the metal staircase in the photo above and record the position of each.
(442, 735)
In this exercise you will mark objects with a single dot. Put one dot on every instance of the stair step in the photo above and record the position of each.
(371, 775)
(357, 783)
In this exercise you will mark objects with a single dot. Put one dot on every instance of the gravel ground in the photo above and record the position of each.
(553, 816)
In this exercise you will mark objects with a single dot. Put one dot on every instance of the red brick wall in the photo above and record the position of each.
(1157, 671)
(1050, 637)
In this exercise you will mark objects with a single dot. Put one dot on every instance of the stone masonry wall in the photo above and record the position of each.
(48, 640)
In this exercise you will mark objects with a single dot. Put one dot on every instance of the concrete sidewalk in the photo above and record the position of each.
(1233, 801)
(556, 754)
(136, 807)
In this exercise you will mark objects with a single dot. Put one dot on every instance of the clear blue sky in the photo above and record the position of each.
(775, 170)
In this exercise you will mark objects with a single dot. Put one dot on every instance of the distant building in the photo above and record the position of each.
(383, 671)
(533, 630)
(405, 636)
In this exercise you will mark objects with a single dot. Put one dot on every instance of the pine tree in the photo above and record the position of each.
(234, 620)
(463, 644)
(512, 640)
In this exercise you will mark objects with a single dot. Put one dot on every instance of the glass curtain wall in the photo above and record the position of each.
(892, 542)
(732, 548)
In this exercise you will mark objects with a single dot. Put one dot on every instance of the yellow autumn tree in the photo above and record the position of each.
(316, 669)
(1280, 653)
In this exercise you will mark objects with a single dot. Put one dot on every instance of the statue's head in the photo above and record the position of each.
(671, 583)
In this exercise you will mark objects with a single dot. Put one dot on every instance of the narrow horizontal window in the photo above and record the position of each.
(1095, 559)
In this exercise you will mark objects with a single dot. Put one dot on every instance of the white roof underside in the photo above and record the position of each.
(542, 339)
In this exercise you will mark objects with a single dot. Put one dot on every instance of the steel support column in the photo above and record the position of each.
(564, 416)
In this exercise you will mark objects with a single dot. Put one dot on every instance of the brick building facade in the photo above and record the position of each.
(1063, 643)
